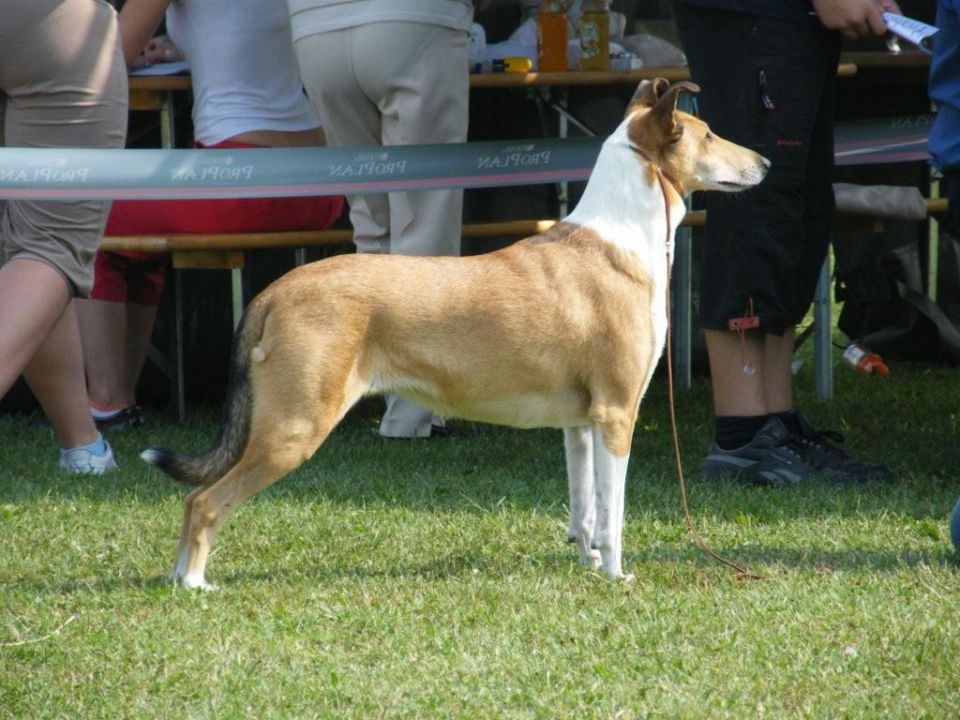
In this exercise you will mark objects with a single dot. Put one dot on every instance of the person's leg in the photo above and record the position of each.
(140, 322)
(422, 99)
(777, 373)
(55, 375)
(33, 297)
(116, 325)
(720, 47)
(752, 372)
(736, 372)
(426, 100)
(745, 69)
(104, 328)
(350, 117)
(63, 89)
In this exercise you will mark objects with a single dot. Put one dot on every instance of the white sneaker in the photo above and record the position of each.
(83, 462)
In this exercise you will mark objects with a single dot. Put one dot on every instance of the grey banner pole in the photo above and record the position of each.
(823, 336)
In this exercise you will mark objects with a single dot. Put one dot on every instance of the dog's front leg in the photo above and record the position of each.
(611, 480)
(578, 446)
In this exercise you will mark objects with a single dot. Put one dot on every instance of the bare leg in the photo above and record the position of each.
(140, 320)
(778, 380)
(55, 374)
(33, 296)
(115, 341)
(750, 376)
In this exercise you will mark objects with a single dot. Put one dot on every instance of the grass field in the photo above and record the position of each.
(433, 580)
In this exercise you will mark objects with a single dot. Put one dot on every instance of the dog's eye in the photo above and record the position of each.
(708, 137)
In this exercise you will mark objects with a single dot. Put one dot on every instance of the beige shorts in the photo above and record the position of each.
(59, 87)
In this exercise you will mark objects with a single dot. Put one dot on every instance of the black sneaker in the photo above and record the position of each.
(821, 450)
(129, 417)
(770, 459)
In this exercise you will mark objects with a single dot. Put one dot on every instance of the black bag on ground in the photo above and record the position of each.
(880, 281)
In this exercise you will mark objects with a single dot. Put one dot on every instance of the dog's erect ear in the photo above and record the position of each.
(666, 105)
(669, 96)
(647, 93)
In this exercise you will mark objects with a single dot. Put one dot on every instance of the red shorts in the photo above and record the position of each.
(139, 277)
(129, 277)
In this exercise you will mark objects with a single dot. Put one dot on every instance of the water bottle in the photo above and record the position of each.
(864, 361)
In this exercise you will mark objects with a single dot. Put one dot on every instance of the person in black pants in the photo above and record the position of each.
(767, 71)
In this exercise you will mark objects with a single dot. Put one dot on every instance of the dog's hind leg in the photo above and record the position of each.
(277, 445)
(265, 461)
(180, 565)
(578, 447)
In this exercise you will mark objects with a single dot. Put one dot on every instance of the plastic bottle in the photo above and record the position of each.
(530, 10)
(477, 52)
(864, 361)
(595, 35)
(552, 37)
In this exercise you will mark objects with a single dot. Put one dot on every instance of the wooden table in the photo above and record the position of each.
(883, 59)
(147, 92)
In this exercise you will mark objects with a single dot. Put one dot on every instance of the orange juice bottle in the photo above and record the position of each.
(552, 36)
(595, 35)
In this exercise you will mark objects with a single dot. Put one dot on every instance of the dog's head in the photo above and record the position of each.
(683, 146)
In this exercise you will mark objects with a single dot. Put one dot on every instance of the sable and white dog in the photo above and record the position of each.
(563, 329)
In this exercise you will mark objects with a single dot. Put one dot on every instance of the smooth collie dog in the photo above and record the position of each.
(563, 329)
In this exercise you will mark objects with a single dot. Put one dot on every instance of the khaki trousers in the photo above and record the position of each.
(63, 83)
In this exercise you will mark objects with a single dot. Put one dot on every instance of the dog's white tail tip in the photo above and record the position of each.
(150, 455)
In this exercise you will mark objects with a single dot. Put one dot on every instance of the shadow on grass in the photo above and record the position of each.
(662, 565)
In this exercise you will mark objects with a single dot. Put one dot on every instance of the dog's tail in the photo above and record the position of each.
(223, 454)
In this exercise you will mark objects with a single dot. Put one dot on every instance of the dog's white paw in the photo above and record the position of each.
(196, 582)
(592, 560)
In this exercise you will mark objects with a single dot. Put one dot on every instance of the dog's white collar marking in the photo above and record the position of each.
(622, 207)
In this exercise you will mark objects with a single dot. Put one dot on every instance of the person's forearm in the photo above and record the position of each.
(139, 20)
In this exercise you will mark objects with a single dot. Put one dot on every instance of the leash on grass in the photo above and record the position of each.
(742, 573)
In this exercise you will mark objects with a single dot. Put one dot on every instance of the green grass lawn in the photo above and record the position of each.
(432, 579)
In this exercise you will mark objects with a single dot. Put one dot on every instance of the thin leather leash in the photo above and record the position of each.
(665, 182)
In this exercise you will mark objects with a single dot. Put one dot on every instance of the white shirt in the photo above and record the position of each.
(309, 17)
(245, 74)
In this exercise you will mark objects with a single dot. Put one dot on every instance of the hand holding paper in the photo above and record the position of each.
(855, 18)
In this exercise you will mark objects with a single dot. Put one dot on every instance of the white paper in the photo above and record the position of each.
(914, 31)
